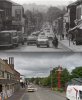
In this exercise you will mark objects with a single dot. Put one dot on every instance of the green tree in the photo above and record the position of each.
(65, 77)
(77, 72)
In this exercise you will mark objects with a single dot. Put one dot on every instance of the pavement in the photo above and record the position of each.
(70, 45)
(18, 94)
(62, 94)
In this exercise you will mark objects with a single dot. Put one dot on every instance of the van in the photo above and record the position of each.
(74, 92)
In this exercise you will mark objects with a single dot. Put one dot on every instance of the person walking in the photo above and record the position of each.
(55, 42)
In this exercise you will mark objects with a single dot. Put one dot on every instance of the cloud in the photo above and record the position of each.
(45, 2)
(39, 64)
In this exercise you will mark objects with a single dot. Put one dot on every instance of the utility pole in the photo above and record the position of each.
(51, 76)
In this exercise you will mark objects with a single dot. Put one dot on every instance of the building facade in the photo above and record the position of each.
(75, 13)
(9, 78)
(6, 6)
(17, 17)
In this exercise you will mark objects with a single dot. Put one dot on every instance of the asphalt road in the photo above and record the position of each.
(34, 48)
(42, 94)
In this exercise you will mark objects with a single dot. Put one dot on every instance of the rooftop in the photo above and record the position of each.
(76, 3)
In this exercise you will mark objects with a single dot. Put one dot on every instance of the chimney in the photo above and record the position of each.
(11, 62)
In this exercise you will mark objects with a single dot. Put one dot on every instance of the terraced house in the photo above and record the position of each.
(9, 78)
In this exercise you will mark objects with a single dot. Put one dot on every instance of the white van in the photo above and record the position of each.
(74, 92)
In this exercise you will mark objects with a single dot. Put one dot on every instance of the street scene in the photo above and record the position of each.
(40, 28)
(50, 76)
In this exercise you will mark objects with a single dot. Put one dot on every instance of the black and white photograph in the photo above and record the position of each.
(41, 25)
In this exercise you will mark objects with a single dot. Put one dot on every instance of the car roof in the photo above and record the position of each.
(8, 31)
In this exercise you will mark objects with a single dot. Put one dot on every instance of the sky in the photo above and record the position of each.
(40, 64)
(45, 2)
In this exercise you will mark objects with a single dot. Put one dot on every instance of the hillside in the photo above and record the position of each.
(35, 7)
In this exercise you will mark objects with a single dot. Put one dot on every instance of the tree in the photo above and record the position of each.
(77, 72)
(53, 13)
(65, 77)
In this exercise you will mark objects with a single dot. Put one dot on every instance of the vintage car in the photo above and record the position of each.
(9, 38)
(42, 41)
(31, 40)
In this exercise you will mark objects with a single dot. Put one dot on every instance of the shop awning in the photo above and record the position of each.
(79, 26)
(76, 27)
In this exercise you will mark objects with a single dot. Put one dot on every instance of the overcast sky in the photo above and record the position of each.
(44, 2)
(40, 64)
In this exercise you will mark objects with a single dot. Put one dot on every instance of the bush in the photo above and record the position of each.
(61, 90)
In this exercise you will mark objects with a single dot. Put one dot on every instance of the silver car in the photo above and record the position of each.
(42, 41)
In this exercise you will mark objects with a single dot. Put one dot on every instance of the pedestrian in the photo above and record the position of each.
(63, 36)
(55, 42)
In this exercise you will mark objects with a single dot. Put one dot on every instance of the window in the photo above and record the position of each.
(18, 14)
(80, 94)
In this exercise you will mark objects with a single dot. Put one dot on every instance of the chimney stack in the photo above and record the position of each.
(11, 62)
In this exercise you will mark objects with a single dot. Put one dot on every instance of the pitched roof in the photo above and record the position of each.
(7, 67)
(75, 3)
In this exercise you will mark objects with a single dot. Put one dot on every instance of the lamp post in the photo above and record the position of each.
(59, 76)
(51, 76)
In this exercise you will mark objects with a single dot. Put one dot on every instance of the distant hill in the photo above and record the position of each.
(35, 7)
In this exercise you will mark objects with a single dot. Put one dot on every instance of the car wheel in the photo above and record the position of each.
(27, 43)
(17, 45)
(38, 45)
(22, 43)
(77, 43)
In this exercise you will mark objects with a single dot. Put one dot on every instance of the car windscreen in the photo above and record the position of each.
(80, 94)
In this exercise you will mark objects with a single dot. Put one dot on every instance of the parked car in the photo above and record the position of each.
(42, 41)
(31, 39)
(9, 38)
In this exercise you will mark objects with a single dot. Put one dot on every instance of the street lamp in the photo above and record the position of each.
(59, 76)
(51, 76)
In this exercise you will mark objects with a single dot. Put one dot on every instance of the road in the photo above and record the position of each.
(34, 48)
(42, 94)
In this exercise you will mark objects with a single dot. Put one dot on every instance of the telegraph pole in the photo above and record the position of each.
(51, 76)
